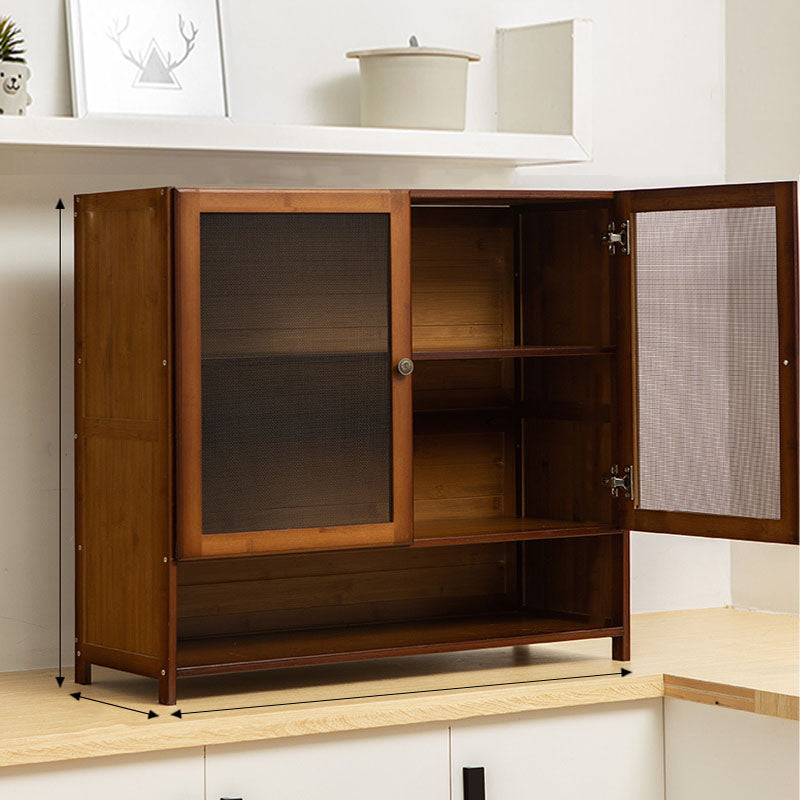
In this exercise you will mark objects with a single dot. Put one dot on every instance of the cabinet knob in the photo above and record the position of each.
(405, 366)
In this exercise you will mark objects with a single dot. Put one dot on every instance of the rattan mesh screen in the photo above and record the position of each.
(296, 383)
(707, 329)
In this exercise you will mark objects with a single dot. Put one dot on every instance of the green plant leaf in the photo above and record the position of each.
(11, 41)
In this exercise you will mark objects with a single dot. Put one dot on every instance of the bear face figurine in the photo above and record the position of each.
(14, 97)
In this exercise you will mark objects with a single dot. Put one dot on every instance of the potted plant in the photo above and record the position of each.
(14, 73)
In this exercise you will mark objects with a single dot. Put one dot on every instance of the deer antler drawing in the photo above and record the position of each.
(115, 34)
(188, 44)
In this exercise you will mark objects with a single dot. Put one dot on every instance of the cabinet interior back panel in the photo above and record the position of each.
(322, 590)
(296, 392)
(462, 268)
(566, 276)
(568, 438)
(462, 281)
(707, 331)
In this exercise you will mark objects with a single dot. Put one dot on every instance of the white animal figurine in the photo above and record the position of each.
(14, 97)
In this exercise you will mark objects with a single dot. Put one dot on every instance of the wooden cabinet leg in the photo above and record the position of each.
(83, 671)
(168, 689)
(621, 647)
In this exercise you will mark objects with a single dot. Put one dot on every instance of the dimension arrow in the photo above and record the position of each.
(80, 696)
(181, 714)
(60, 676)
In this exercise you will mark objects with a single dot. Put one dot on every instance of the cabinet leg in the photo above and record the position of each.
(83, 671)
(621, 647)
(168, 689)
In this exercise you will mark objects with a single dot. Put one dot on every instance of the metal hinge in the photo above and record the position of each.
(618, 238)
(615, 482)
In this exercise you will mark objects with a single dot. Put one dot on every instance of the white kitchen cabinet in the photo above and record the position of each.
(387, 764)
(715, 752)
(610, 752)
(168, 775)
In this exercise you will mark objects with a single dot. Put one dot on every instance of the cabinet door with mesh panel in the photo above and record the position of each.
(708, 362)
(293, 421)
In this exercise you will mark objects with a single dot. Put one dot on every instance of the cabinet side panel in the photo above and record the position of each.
(123, 404)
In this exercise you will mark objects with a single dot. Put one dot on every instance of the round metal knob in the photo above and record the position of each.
(405, 366)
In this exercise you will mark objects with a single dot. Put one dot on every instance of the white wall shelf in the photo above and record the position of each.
(224, 136)
(542, 102)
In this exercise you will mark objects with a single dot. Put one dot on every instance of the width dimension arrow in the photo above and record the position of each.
(622, 673)
(80, 696)
(60, 676)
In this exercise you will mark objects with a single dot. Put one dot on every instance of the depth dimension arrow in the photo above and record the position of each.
(80, 696)
(622, 673)
(60, 676)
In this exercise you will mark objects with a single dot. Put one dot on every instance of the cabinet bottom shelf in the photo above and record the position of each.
(204, 656)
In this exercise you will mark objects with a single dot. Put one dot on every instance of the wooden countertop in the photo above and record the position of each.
(739, 659)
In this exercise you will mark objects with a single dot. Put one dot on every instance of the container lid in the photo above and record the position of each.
(414, 51)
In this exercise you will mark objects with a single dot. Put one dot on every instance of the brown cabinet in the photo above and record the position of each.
(263, 482)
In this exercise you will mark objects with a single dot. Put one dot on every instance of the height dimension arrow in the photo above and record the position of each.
(80, 696)
(622, 673)
(60, 676)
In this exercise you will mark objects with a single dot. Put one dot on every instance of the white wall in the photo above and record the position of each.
(669, 573)
(765, 576)
(762, 97)
(658, 119)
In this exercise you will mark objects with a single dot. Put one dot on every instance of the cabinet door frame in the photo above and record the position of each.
(783, 196)
(189, 204)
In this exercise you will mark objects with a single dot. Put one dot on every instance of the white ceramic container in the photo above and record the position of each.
(413, 87)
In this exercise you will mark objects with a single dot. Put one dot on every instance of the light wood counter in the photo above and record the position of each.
(739, 659)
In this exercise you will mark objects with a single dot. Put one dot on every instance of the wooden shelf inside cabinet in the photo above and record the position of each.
(544, 351)
(300, 647)
(444, 532)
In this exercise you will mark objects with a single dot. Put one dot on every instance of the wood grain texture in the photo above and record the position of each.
(460, 473)
(381, 604)
(711, 645)
(461, 276)
(462, 266)
(742, 698)
(568, 439)
(123, 378)
(343, 589)
(573, 578)
(566, 277)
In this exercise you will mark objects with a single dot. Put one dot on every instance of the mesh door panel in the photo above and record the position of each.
(296, 383)
(707, 330)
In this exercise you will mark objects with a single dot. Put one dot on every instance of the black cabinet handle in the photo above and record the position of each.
(474, 783)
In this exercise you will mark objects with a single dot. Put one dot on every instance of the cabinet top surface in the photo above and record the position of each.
(739, 659)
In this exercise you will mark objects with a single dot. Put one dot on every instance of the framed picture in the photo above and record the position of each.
(147, 57)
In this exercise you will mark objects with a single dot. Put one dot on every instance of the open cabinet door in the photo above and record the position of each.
(707, 345)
